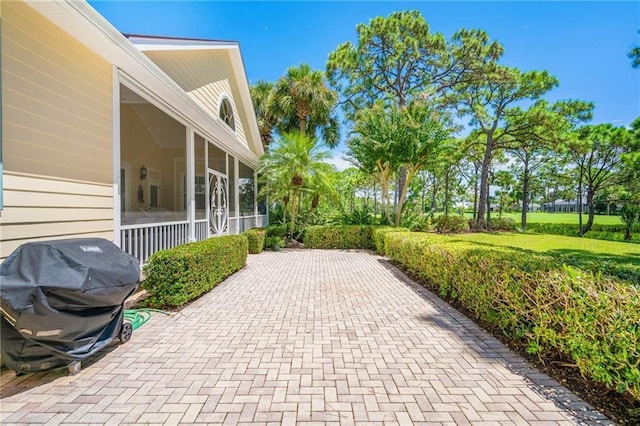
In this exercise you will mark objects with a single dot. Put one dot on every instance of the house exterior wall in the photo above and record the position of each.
(57, 133)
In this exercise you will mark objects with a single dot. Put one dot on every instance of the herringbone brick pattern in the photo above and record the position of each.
(302, 336)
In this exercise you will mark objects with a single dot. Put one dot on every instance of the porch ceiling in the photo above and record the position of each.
(167, 132)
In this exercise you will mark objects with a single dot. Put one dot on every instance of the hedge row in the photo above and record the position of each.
(378, 235)
(364, 237)
(536, 300)
(597, 231)
(256, 238)
(174, 277)
(339, 237)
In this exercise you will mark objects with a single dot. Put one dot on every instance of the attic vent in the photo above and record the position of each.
(226, 114)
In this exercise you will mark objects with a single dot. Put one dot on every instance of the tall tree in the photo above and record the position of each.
(295, 166)
(261, 95)
(302, 100)
(490, 102)
(539, 132)
(394, 138)
(598, 152)
(397, 60)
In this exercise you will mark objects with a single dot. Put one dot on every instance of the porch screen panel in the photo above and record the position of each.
(201, 176)
(246, 191)
(217, 159)
(233, 212)
(261, 196)
(153, 168)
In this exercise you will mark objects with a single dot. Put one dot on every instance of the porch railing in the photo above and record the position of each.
(202, 229)
(143, 240)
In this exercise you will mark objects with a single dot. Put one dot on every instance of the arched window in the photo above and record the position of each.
(226, 114)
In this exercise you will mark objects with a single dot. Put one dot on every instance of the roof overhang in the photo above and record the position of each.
(158, 43)
(82, 22)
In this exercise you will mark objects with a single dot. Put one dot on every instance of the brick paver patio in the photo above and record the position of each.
(328, 337)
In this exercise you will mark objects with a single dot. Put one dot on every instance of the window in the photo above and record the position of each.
(226, 114)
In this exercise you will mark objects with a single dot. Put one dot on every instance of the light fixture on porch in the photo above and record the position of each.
(143, 173)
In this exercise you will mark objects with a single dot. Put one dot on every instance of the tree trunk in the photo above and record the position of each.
(293, 213)
(484, 184)
(375, 200)
(488, 212)
(403, 194)
(446, 192)
(302, 123)
(579, 206)
(475, 194)
(525, 196)
(385, 174)
(592, 213)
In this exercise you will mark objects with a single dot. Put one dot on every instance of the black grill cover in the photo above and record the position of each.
(62, 301)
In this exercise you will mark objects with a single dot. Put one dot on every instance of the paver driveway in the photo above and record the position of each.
(302, 336)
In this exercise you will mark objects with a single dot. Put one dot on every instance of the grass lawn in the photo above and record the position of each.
(586, 248)
(570, 218)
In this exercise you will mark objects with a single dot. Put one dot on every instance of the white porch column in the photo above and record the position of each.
(191, 183)
(115, 130)
(236, 185)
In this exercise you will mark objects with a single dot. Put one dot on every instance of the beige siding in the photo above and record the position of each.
(56, 101)
(42, 208)
(206, 76)
(57, 133)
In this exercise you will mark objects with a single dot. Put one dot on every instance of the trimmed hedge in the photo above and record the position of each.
(451, 223)
(597, 231)
(256, 238)
(176, 276)
(379, 234)
(339, 237)
(502, 224)
(535, 299)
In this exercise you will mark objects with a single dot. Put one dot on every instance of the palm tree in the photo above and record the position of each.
(261, 97)
(293, 167)
(302, 100)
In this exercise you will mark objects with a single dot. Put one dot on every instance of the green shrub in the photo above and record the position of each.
(597, 231)
(339, 237)
(356, 217)
(174, 277)
(502, 224)
(273, 241)
(451, 223)
(378, 236)
(276, 231)
(536, 300)
(417, 222)
(256, 238)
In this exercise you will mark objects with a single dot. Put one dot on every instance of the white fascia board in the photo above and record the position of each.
(157, 47)
(82, 22)
(238, 69)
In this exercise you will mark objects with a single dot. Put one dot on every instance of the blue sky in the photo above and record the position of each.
(584, 44)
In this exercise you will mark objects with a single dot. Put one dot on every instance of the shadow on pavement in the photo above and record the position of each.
(491, 350)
